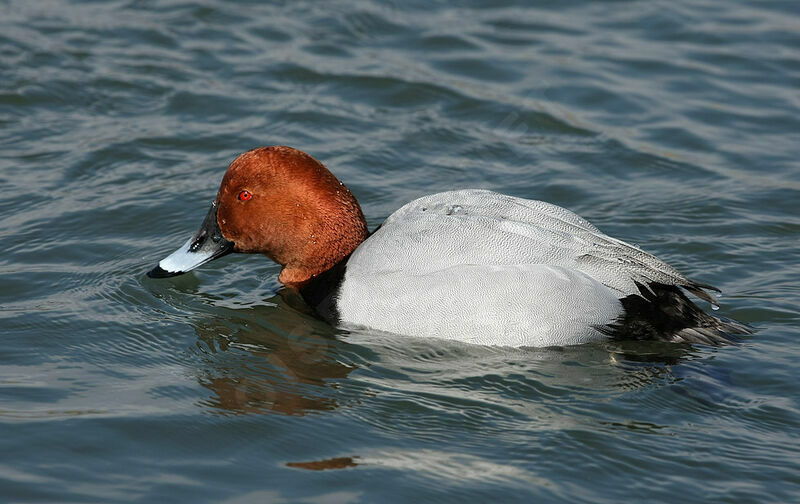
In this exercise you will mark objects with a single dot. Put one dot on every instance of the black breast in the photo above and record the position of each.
(320, 293)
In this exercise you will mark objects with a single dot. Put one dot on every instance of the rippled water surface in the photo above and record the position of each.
(674, 125)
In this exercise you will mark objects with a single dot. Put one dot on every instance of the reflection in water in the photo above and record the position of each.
(453, 467)
(321, 465)
(270, 359)
(279, 358)
(652, 352)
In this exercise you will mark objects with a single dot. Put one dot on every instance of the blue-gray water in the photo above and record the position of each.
(672, 124)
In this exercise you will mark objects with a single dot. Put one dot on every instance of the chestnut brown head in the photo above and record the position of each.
(280, 202)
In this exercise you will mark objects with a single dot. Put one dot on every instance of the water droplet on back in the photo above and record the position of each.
(454, 209)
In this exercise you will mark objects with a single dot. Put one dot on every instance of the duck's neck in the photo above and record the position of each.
(336, 227)
(321, 291)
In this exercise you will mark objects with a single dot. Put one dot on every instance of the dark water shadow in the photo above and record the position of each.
(271, 359)
(275, 356)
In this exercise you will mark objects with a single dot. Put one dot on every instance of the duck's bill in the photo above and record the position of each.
(206, 245)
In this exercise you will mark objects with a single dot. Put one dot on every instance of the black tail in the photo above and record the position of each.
(663, 313)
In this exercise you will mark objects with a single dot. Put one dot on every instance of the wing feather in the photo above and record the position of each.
(481, 227)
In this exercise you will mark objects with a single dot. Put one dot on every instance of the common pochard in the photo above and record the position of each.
(469, 265)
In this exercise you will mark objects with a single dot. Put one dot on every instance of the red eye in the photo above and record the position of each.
(245, 195)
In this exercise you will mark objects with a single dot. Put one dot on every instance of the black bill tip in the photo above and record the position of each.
(159, 272)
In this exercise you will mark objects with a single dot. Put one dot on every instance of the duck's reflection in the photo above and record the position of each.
(271, 359)
(280, 358)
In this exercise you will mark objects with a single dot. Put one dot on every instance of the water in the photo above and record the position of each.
(673, 125)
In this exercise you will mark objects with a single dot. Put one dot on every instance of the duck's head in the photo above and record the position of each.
(280, 202)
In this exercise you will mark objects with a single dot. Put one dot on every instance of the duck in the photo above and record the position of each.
(470, 265)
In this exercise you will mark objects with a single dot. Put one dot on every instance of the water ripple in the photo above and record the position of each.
(673, 126)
